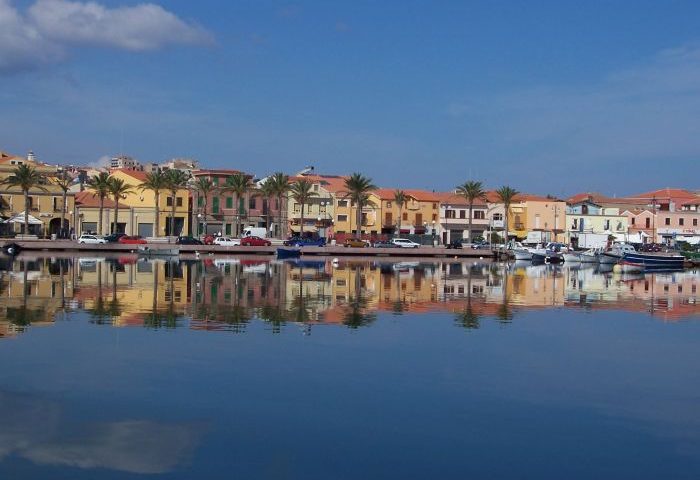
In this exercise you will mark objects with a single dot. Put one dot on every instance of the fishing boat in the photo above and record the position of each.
(572, 257)
(11, 249)
(654, 261)
(146, 251)
(288, 253)
(629, 267)
(522, 254)
(548, 256)
(590, 256)
(615, 253)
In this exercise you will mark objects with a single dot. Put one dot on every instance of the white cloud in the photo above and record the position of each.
(49, 28)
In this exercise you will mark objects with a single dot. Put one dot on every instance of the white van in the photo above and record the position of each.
(255, 232)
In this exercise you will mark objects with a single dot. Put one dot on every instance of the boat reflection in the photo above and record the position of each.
(227, 294)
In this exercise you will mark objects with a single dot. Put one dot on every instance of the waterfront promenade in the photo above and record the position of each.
(330, 250)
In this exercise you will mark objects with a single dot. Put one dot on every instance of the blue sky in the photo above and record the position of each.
(549, 97)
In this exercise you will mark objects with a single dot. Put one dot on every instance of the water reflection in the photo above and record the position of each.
(227, 293)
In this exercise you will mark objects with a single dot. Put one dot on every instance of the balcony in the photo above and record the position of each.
(497, 223)
(519, 226)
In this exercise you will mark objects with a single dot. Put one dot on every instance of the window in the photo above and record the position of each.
(619, 226)
(450, 214)
(200, 202)
(168, 202)
(479, 215)
(315, 187)
(342, 203)
(667, 221)
(229, 202)
(695, 222)
(297, 208)
(215, 180)
(404, 216)
(574, 226)
(633, 220)
(228, 229)
(606, 225)
(647, 222)
(681, 221)
(308, 208)
(342, 218)
(434, 206)
(388, 204)
(252, 202)
(498, 216)
(215, 205)
(178, 201)
(434, 217)
(462, 214)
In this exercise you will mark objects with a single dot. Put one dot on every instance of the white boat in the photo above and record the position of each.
(615, 254)
(590, 256)
(522, 254)
(572, 257)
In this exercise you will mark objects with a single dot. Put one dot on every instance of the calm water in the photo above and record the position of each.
(242, 368)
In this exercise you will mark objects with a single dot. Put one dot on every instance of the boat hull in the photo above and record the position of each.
(654, 261)
(547, 258)
(572, 257)
(522, 254)
(607, 258)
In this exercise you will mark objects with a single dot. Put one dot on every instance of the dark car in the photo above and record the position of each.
(114, 237)
(305, 242)
(457, 243)
(188, 241)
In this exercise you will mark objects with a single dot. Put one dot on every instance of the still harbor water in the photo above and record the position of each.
(221, 368)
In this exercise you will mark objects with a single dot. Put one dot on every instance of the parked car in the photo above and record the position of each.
(253, 241)
(208, 239)
(305, 242)
(91, 239)
(227, 241)
(354, 242)
(132, 240)
(651, 247)
(188, 241)
(384, 244)
(404, 243)
(114, 237)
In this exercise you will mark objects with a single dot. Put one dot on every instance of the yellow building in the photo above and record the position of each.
(419, 214)
(319, 212)
(46, 206)
(531, 218)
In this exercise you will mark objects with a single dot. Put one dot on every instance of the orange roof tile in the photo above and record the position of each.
(87, 199)
(420, 195)
(136, 174)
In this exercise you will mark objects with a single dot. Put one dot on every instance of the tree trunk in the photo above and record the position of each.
(62, 231)
(267, 217)
(505, 226)
(99, 220)
(26, 212)
(469, 228)
(157, 226)
(172, 213)
(398, 222)
(301, 225)
(279, 205)
(116, 213)
(359, 219)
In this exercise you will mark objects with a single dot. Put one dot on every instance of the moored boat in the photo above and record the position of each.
(547, 257)
(615, 254)
(11, 249)
(589, 256)
(522, 254)
(655, 261)
(572, 257)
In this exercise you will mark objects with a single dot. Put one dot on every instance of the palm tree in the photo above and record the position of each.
(280, 186)
(471, 191)
(64, 182)
(267, 190)
(400, 200)
(239, 184)
(358, 187)
(203, 186)
(175, 180)
(25, 178)
(155, 181)
(117, 188)
(506, 195)
(99, 184)
(301, 191)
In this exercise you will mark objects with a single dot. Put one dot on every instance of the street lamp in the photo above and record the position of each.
(433, 233)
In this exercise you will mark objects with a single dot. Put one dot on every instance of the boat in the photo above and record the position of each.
(630, 267)
(615, 253)
(12, 249)
(548, 256)
(288, 253)
(572, 257)
(522, 254)
(654, 261)
(589, 256)
(147, 251)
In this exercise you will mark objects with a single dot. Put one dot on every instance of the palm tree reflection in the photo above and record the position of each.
(168, 317)
(356, 314)
(468, 318)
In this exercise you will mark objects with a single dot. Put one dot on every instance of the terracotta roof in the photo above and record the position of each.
(678, 196)
(87, 199)
(420, 195)
(136, 174)
(492, 197)
(331, 183)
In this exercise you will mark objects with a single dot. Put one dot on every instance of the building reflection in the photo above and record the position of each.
(229, 293)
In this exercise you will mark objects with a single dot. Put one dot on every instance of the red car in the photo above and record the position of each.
(135, 240)
(255, 242)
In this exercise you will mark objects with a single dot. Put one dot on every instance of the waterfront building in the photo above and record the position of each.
(326, 214)
(588, 216)
(454, 217)
(420, 214)
(46, 207)
(666, 215)
(531, 218)
(125, 162)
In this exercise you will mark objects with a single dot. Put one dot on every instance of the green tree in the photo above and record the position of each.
(117, 187)
(203, 186)
(302, 192)
(267, 191)
(471, 191)
(400, 200)
(99, 184)
(280, 183)
(156, 182)
(506, 195)
(25, 178)
(357, 188)
(175, 180)
(239, 184)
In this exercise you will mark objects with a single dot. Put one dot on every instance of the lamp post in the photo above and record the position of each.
(433, 234)
(199, 223)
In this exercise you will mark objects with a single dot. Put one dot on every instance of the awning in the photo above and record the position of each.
(19, 218)
(307, 228)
